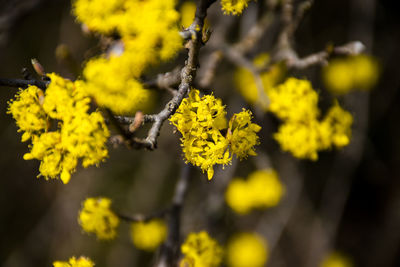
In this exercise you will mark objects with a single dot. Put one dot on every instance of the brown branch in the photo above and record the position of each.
(321, 58)
(210, 69)
(21, 83)
(256, 32)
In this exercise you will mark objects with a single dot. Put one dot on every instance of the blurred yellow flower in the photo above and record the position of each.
(261, 189)
(200, 250)
(97, 217)
(336, 259)
(247, 249)
(148, 235)
(294, 100)
(73, 262)
(303, 133)
(342, 75)
(234, 7)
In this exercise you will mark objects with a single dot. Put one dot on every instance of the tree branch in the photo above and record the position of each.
(21, 83)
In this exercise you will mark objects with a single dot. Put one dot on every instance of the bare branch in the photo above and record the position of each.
(257, 31)
(210, 69)
(321, 58)
(21, 83)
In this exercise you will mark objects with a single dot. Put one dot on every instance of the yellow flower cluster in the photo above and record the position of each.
(342, 75)
(247, 249)
(336, 259)
(303, 134)
(200, 250)
(149, 33)
(262, 189)
(234, 7)
(28, 112)
(244, 80)
(73, 262)
(148, 235)
(97, 217)
(200, 121)
(60, 127)
(294, 100)
(242, 134)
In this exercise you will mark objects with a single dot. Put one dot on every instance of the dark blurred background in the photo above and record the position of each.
(347, 201)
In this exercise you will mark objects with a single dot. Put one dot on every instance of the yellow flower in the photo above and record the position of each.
(303, 133)
(97, 217)
(339, 122)
(28, 112)
(60, 127)
(342, 75)
(261, 189)
(336, 259)
(294, 100)
(148, 235)
(73, 262)
(99, 15)
(200, 121)
(234, 7)
(239, 197)
(301, 139)
(200, 250)
(242, 134)
(64, 99)
(266, 187)
(247, 249)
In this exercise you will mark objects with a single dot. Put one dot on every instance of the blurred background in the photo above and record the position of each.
(347, 201)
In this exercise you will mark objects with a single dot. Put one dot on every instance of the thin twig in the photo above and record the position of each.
(292, 61)
(302, 8)
(210, 69)
(21, 83)
(321, 58)
(256, 31)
